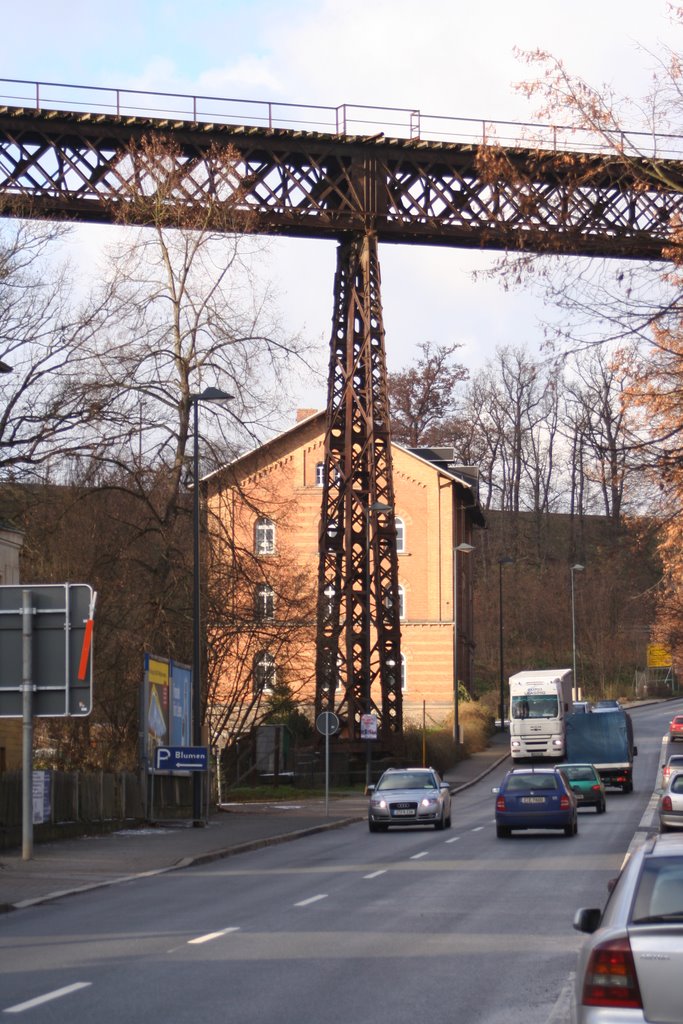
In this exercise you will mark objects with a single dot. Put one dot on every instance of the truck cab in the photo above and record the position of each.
(539, 704)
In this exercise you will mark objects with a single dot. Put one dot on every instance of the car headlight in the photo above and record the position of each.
(428, 801)
(558, 743)
(380, 804)
(515, 744)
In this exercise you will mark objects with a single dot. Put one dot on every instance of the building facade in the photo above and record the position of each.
(268, 504)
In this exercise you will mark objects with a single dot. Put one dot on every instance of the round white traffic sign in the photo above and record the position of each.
(327, 723)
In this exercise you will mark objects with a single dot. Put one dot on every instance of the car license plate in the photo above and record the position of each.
(532, 800)
(404, 813)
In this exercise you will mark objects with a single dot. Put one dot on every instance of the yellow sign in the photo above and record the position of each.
(658, 656)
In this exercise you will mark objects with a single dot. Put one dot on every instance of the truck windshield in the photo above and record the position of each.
(535, 705)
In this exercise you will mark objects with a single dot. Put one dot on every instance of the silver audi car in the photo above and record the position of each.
(409, 796)
(630, 970)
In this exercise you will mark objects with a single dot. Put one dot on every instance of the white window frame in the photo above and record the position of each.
(264, 603)
(400, 534)
(264, 536)
(264, 664)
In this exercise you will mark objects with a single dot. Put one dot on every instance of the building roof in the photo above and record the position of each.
(442, 459)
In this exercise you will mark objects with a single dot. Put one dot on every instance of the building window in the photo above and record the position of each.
(264, 672)
(328, 603)
(264, 537)
(401, 602)
(390, 665)
(264, 604)
(319, 474)
(400, 535)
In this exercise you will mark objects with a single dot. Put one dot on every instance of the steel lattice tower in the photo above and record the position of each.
(358, 642)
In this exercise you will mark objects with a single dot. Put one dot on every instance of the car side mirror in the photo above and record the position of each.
(587, 919)
(369, 790)
(635, 751)
(496, 789)
(445, 785)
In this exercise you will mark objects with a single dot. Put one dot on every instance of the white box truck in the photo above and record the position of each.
(539, 704)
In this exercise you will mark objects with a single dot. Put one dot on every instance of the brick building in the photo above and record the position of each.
(269, 504)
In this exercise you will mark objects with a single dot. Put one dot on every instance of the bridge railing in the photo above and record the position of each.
(348, 120)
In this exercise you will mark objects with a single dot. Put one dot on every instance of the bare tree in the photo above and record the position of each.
(44, 343)
(424, 398)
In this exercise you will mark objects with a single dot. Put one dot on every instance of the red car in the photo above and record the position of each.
(676, 728)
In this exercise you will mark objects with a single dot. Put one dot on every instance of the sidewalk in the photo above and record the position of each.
(76, 865)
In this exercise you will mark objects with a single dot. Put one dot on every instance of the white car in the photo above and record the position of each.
(671, 804)
(409, 796)
(629, 971)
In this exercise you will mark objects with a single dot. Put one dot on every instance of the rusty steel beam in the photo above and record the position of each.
(309, 184)
(359, 643)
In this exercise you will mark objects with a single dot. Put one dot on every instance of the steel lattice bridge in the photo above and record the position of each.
(359, 175)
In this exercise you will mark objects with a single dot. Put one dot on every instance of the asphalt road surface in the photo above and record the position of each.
(342, 927)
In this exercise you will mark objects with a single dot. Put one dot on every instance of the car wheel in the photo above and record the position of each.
(663, 827)
(448, 821)
(375, 827)
(502, 832)
(571, 829)
(627, 787)
(440, 824)
(601, 807)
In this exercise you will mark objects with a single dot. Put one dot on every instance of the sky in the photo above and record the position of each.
(452, 59)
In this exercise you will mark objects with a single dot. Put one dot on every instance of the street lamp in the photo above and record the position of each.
(505, 560)
(465, 549)
(574, 568)
(379, 508)
(207, 395)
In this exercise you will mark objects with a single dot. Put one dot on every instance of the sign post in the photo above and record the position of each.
(45, 666)
(327, 725)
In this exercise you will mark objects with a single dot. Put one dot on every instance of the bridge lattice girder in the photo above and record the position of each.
(78, 166)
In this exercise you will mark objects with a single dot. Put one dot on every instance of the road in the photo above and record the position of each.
(343, 926)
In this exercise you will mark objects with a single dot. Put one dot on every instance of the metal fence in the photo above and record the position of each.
(347, 119)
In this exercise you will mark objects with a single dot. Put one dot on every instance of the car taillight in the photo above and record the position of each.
(596, 788)
(666, 803)
(564, 803)
(500, 803)
(611, 977)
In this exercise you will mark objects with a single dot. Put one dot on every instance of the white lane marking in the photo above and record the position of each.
(479, 828)
(39, 1000)
(311, 899)
(453, 840)
(376, 874)
(416, 856)
(210, 936)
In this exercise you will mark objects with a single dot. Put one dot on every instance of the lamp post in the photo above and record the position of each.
(574, 568)
(465, 549)
(207, 395)
(379, 508)
(505, 560)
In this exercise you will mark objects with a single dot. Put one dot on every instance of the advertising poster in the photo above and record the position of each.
(181, 692)
(157, 673)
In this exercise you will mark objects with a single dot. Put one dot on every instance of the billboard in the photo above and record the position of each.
(167, 712)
